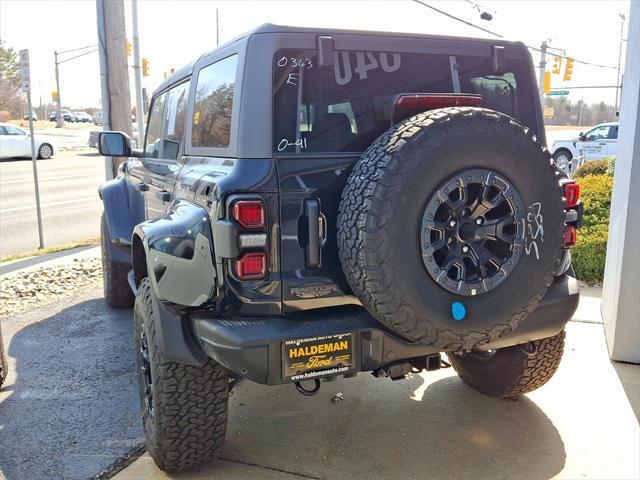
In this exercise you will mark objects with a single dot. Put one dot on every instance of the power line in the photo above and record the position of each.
(79, 55)
(500, 36)
(76, 49)
(457, 18)
(575, 59)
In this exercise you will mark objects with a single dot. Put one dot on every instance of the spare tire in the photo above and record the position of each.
(450, 227)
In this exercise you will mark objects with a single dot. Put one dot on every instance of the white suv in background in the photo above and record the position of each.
(599, 142)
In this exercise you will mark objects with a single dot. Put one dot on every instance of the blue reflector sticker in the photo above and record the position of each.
(458, 311)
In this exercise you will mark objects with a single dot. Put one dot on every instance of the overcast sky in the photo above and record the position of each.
(173, 33)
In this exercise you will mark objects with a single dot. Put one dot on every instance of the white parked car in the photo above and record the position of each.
(599, 142)
(16, 142)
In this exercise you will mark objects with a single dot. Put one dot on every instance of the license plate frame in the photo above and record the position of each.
(314, 357)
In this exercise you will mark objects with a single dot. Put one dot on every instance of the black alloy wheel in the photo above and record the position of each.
(472, 232)
(145, 367)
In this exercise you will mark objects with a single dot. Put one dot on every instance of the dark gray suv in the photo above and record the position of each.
(312, 204)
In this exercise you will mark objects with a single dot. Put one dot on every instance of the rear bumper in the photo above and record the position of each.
(252, 347)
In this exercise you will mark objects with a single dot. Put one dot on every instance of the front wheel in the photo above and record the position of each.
(184, 407)
(3, 362)
(511, 371)
(562, 158)
(45, 151)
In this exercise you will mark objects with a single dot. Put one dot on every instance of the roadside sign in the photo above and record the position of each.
(549, 112)
(558, 92)
(25, 83)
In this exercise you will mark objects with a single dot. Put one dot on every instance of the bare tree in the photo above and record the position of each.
(9, 80)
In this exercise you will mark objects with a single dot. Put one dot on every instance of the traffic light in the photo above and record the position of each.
(568, 70)
(129, 48)
(547, 82)
(557, 65)
(145, 67)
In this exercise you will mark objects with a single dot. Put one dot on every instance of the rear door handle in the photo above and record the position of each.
(163, 195)
(312, 212)
(141, 187)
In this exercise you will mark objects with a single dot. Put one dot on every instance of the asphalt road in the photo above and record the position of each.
(68, 195)
(69, 408)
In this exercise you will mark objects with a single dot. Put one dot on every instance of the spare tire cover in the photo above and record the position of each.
(450, 227)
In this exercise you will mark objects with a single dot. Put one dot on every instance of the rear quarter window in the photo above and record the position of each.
(214, 103)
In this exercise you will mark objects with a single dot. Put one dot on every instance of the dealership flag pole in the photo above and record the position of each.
(26, 87)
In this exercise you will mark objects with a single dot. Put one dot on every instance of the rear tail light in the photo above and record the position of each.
(249, 213)
(251, 266)
(571, 194)
(569, 236)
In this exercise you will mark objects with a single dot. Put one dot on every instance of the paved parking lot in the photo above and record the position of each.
(69, 410)
(432, 426)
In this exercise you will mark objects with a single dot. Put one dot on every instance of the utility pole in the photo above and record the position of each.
(615, 105)
(104, 82)
(137, 74)
(543, 66)
(59, 119)
(119, 97)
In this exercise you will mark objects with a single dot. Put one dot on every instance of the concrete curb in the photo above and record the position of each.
(13, 267)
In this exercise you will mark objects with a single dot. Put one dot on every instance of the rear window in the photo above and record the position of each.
(345, 107)
(213, 104)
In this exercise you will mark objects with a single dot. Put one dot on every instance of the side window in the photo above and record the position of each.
(613, 134)
(598, 133)
(174, 122)
(11, 130)
(154, 128)
(213, 104)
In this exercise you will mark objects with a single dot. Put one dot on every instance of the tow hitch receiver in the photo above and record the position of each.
(399, 370)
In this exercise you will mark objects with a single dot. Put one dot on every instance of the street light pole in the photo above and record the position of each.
(543, 66)
(59, 119)
(615, 106)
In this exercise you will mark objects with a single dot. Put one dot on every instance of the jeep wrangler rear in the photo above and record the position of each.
(312, 204)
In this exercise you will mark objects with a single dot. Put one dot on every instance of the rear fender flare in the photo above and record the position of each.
(178, 251)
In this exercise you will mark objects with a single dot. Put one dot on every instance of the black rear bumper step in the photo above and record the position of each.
(252, 347)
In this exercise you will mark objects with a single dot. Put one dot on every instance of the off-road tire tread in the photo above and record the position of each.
(4, 368)
(533, 370)
(117, 291)
(364, 216)
(190, 410)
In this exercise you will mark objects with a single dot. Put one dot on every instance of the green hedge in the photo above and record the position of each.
(594, 167)
(589, 254)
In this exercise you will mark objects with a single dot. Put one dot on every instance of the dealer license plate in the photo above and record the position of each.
(308, 358)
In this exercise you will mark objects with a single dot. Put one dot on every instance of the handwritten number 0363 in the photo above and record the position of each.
(295, 62)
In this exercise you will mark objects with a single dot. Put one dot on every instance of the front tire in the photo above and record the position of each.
(45, 151)
(115, 285)
(562, 158)
(184, 406)
(3, 362)
(511, 371)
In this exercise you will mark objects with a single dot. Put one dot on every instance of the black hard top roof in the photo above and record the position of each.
(273, 28)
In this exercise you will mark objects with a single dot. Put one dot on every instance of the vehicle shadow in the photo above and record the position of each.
(72, 408)
(422, 427)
